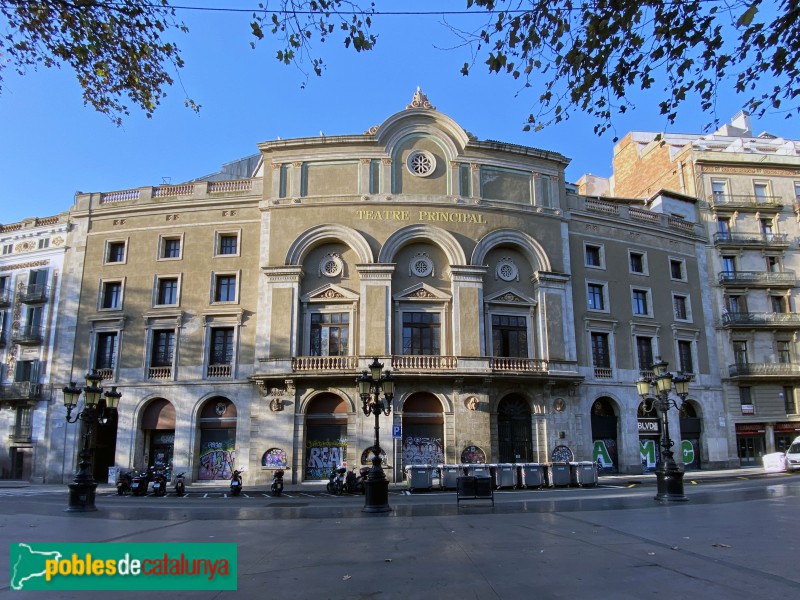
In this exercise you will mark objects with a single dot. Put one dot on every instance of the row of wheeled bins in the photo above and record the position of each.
(519, 475)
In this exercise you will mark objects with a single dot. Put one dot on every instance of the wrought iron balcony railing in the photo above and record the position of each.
(28, 336)
(748, 319)
(21, 390)
(34, 294)
(783, 278)
(770, 369)
(5, 298)
(758, 240)
(745, 201)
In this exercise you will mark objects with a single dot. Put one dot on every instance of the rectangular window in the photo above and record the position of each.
(112, 295)
(228, 244)
(761, 190)
(546, 199)
(644, 352)
(779, 304)
(736, 304)
(640, 303)
(767, 229)
(163, 348)
(45, 243)
(594, 256)
(773, 264)
(106, 351)
(724, 227)
(636, 262)
(680, 305)
(4, 285)
(225, 288)
(745, 398)
(509, 336)
(375, 177)
(676, 270)
(167, 292)
(283, 184)
(789, 401)
(784, 352)
(600, 353)
(421, 333)
(685, 356)
(8, 248)
(729, 264)
(719, 189)
(171, 247)
(595, 295)
(797, 191)
(115, 252)
(330, 334)
(740, 352)
(221, 346)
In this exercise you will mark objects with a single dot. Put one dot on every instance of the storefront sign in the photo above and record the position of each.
(791, 427)
(750, 428)
(648, 426)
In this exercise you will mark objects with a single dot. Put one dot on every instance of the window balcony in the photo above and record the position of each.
(770, 320)
(603, 373)
(34, 294)
(21, 390)
(402, 363)
(758, 278)
(28, 336)
(746, 202)
(21, 434)
(159, 373)
(758, 370)
(107, 373)
(521, 365)
(223, 371)
(778, 241)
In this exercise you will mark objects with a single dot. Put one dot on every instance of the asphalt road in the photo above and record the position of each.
(734, 539)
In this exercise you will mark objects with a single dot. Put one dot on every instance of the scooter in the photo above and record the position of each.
(139, 483)
(124, 483)
(236, 483)
(277, 483)
(336, 481)
(159, 478)
(354, 484)
(180, 485)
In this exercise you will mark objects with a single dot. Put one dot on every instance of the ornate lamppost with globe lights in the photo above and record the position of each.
(370, 385)
(656, 390)
(82, 489)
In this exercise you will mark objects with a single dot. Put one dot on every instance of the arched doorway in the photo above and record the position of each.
(158, 426)
(649, 426)
(604, 435)
(423, 430)
(514, 430)
(326, 436)
(217, 450)
(691, 430)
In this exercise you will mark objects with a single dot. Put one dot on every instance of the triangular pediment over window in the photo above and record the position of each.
(421, 292)
(510, 297)
(331, 293)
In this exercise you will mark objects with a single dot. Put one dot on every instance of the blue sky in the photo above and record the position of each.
(52, 146)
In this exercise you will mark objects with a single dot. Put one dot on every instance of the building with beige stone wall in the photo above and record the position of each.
(748, 189)
(515, 315)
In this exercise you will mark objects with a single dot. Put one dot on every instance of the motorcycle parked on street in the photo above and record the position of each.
(159, 479)
(277, 482)
(139, 483)
(124, 483)
(336, 481)
(180, 485)
(354, 484)
(236, 483)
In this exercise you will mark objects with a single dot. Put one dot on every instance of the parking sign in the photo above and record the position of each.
(397, 432)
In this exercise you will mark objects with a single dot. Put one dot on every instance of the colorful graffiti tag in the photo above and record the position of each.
(217, 457)
(323, 455)
(422, 451)
(274, 458)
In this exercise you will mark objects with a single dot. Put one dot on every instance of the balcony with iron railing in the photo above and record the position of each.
(5, 298)
(770, 369)
(20, 391)
(28, 336)
(35, 293)
(748, 202)
(751, 240)
(758, 278)
(21, 434)
(761, 319)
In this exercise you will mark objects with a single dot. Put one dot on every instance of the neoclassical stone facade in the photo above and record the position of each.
(515, 315)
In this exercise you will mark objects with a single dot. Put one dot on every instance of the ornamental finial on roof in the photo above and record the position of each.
(420, 100)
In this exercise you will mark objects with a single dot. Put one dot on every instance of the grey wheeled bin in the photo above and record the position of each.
(558, 474)
(449, 475)
(419, 477)
(481, 471)
(583, 473)
(505, 475)
(532, 475)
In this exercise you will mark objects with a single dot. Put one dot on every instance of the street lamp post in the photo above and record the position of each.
(669, 477)
(82, 489)
(370, 386)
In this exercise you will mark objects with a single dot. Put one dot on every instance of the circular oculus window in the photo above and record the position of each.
(331, 266)
(421, 266)
(507, 270)
(421, 163)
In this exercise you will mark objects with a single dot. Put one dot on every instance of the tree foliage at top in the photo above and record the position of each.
(586, 55)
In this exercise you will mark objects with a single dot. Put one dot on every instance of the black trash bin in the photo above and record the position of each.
(470, 487)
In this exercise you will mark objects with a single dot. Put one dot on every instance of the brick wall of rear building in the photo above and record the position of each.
(641, 176)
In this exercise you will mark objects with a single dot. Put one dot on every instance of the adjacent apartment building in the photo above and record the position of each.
(235, 315)
(748, 191)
